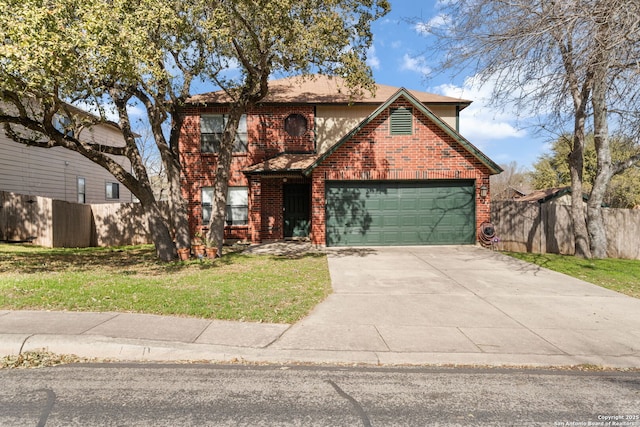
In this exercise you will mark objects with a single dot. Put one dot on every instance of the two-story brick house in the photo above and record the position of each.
(309, 161)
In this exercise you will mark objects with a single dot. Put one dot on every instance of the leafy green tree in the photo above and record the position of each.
(624, 190)
(552, 170)
(111, 54)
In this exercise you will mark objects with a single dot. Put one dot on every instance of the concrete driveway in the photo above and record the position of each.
(465, 305)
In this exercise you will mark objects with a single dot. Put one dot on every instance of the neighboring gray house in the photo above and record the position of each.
(62, 174)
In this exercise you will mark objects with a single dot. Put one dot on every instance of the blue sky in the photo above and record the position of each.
(398, 59)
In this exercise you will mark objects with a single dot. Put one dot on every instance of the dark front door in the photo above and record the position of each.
(297, 202)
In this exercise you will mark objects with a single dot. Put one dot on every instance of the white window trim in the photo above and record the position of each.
(108, 190)
(243, 207)
(82, 187)
(242, 138)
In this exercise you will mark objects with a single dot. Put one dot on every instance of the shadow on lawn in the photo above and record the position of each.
(124, 261)
(128, 261)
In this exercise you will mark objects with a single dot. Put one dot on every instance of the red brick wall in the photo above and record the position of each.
(373, 154)
(272, 221)
(266, 139)
(255, 208)
(270, 137)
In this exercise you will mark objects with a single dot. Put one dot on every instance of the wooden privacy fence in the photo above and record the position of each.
(548, 228)
(55, 223)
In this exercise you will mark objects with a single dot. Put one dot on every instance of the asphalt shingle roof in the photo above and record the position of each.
(283, 163)
(321, 89)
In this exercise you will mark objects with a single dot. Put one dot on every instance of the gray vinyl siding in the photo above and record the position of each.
(53, 172)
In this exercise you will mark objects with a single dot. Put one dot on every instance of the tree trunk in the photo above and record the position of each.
(595, 220)
(156, 219)
(158, 225)
(165, 249)
(604, 171)
(170, 155)
(219, 202)
(221, 184)
(178, 207)
(576, 162)
(138, 182)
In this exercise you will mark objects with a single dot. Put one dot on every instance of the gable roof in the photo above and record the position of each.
(402, 92)
(322, 89)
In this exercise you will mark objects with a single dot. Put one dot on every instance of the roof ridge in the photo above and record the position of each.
(325, 89)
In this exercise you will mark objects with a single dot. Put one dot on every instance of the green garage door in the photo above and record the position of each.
(400, 213)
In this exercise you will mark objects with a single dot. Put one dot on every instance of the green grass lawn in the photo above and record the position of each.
(236, 287)
(621, 275)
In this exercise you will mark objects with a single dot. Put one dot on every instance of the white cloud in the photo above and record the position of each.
(422, 28)
(372, 59)
(417, 64)
(438, 21)
(481, 125)
(480, 122)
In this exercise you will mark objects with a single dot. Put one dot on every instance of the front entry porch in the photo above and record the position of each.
(279, 208)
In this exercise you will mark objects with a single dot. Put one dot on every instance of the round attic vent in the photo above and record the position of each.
(295, 124)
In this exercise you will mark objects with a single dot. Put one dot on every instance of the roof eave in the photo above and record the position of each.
(288, 172)
(493, 167)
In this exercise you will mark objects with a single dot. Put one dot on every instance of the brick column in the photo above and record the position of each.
(318, 219)
(255, 208)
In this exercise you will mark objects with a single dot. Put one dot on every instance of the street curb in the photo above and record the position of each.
(12, 344)
(136, 350)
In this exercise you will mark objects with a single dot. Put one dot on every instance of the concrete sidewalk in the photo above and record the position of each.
(454, 305)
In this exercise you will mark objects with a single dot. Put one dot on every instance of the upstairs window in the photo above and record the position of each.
(212, 131)
(401, 121)
(63, 125)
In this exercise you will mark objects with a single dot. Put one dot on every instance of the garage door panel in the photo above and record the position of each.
(389, 204)
(389, 221)
(408, 221)
(400, 213)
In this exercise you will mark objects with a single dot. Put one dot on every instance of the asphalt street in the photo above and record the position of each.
(231, 395)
